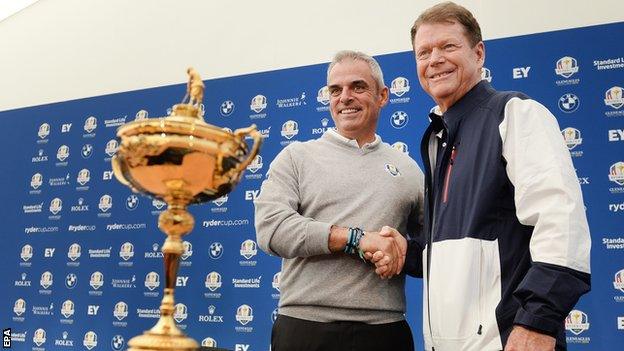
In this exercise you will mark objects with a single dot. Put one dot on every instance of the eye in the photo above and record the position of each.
(423, 54)
(359, 89)
(334, 91)
(449, 47)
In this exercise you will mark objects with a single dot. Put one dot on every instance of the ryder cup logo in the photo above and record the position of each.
(127, 251)
(83, 176)
(213, 281)
(158, 204)
(188, 250)
(572, 137)
(86, 151)
(616, 173)
(399, 119)
(323, 96)
(152, 280)
(44, 131)
(486, 75)
(121, 310)
(27, 253)
(244, 314)
(180, 313)
(276, 281)
(74, 252)
(618, 281)
(614, 98)
(56, 205)
(209, 342)
(399, 86)
(90, 340)
(67, 309)
(40, 337)
(290, 128)
(111, 147)
(46, 279)
(248, 249)
(90, 124)
(258, 103)
(568, 103)
(19, 307)
(97, 280)
(62, 153)
(256, 164)
(36, 180)
(141, 115)
(216, 250)
(401, 146)
(566, 66)
(392, 169)
(106, 202)
(576, 322)
(227, 107)
(221, 200)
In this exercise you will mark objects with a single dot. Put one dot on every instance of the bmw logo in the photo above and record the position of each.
(274, 315)
(118, 342)
(227, 107)
(399, 119)
(568, 103)
(71, 280)
(216, 250)
(87, 150)
(132, 202)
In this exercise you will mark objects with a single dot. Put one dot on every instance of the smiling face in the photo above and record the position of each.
(355, 100)
(447, 65)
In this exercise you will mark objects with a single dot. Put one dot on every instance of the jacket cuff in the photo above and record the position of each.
(539, 324)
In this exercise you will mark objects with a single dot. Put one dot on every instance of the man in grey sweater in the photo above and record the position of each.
(328, 202)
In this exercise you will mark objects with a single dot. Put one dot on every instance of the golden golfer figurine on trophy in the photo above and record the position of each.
(182, 160)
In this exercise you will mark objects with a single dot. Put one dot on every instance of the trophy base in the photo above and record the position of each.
(159, 342)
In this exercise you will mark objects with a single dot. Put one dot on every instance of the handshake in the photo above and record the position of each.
(386, 249)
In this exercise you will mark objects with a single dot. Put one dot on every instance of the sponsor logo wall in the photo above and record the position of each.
(81, 253)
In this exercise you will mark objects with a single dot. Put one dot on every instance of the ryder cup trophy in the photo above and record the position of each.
(182, 160)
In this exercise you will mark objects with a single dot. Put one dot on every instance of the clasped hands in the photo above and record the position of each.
(386, 249)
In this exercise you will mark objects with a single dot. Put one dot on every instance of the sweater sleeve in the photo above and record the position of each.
(548, 197)
(280, 229)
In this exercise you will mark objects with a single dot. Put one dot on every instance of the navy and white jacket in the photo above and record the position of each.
(506, 239)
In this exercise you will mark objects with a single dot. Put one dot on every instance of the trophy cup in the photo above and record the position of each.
(182, 160)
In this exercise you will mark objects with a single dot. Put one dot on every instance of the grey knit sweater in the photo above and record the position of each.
(330, 180)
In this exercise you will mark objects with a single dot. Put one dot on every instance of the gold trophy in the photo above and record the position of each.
(182, 160)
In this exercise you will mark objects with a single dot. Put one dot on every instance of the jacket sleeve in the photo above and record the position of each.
(280, 229)
(548, 197)
(415, 236)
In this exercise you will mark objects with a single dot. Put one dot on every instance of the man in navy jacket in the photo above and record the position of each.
(505, 250)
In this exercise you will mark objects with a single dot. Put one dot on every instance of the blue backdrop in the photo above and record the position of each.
(80, 261)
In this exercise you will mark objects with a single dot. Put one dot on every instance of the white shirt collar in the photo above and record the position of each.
(352, 142)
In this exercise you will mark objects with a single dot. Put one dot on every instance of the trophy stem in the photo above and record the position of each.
(176, 222)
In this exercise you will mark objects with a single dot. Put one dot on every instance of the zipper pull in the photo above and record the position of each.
(453, 151)
(480, 329)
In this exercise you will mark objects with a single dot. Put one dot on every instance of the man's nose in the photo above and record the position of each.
(346, 95)
(437, 56)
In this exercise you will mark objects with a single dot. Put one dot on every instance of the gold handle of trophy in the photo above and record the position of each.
(257, 138)
(115, 164)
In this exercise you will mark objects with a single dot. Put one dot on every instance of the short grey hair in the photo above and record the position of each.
(359, 56)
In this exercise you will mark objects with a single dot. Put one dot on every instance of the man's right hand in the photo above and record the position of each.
(386, 249)
(385, 266)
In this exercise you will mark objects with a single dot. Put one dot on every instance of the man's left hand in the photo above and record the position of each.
(523, 339)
